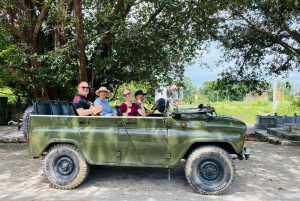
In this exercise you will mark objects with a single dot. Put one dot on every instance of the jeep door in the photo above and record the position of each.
(100, 137)
(142, 140)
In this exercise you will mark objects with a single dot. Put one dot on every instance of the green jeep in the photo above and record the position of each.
(199, 136)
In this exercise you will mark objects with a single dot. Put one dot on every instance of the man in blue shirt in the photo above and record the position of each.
(103, 92)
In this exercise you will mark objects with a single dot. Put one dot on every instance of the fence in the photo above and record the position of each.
(264, 122)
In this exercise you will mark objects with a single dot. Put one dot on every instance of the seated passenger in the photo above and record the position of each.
(139, 95)
(129, 108)
(80, 102)
(103, 92)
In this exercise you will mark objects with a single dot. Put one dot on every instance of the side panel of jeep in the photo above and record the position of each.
(147, 136)
(100, 135)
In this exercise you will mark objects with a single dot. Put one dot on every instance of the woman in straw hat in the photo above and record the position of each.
(103, 92)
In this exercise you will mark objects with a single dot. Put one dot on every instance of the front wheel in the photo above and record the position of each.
(65, 166)
(210, 170)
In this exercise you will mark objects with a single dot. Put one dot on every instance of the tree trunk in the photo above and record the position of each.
(80, 42)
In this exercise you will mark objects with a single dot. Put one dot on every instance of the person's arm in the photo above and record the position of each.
(110, 109)
(141, 110)
(114, 112)
(85, 112)
(149, 112)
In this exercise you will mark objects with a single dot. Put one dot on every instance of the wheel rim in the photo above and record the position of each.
(209, 170)
(64, 166)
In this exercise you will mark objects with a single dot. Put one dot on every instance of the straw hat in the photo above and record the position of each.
(102, 89)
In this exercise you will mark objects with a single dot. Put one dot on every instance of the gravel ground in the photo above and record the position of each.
(271, 173)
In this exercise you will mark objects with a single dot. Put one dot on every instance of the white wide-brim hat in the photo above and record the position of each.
(102, 89)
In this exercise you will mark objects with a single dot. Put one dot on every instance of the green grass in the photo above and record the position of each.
(247, 111)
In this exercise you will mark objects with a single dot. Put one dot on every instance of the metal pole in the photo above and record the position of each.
(274, 93)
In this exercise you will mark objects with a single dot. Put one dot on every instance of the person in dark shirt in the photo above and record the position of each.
(139, 98)
(80, 102)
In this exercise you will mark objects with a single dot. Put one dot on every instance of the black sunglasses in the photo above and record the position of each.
(85, 88)
(127, 94)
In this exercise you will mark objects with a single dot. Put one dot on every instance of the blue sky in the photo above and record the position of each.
(200, 75)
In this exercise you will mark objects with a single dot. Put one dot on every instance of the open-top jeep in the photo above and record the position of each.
(198, 135)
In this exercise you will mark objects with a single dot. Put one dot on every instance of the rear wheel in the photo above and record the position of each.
(26, 117)
(210, 170)
(65, 166)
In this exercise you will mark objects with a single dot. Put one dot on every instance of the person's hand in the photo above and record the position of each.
(99, 108)
(150, 111)
(128, 110)
(139, 101)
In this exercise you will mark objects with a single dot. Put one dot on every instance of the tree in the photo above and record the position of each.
(208, 92)
(37, 54)
(261, 37)
(80, 41)
(189, 91)
(214, 92)
(149, 41)
(49, 46)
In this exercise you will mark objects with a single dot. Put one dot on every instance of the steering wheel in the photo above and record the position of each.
(160, 105)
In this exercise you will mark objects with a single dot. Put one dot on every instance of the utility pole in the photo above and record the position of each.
(274, 93)
(228, 96)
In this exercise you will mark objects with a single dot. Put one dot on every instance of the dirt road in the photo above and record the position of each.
(272, 173)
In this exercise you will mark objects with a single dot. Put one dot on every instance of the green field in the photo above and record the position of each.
(247, 111)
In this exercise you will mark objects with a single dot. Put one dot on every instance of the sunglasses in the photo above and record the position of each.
(85, 88)
(128, 94)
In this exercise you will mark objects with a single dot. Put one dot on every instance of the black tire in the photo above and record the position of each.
(65, 167)
(210, 170)
(26, 118)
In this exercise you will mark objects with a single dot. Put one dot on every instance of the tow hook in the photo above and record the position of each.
(246, 153)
